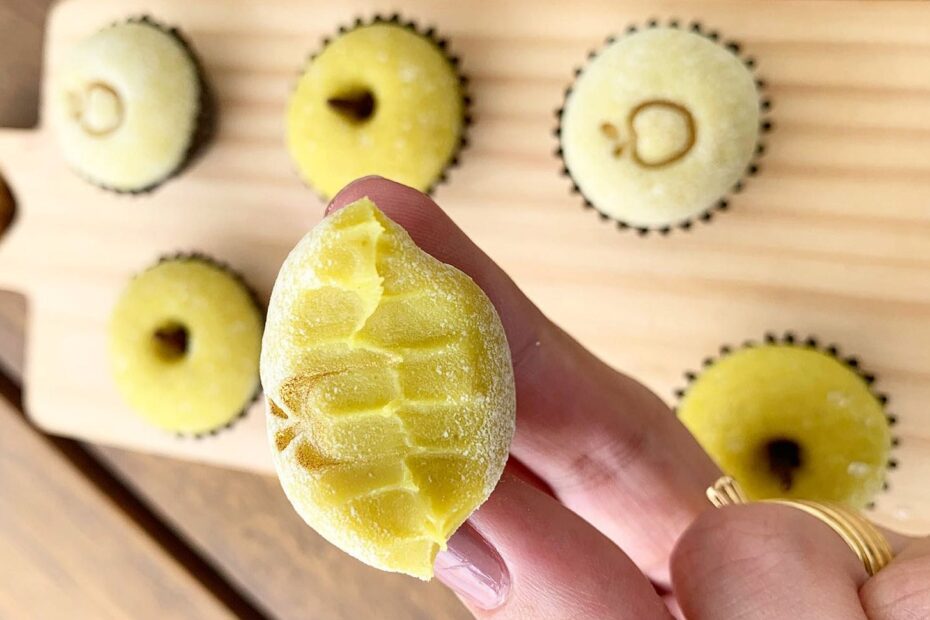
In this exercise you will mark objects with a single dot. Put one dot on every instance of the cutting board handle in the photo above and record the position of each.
(13, 146)
(11, 140)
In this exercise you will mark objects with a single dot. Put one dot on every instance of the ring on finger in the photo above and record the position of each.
(869, 545)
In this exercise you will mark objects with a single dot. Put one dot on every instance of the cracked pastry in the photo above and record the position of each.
(127, 104)
(379, 99)
(789, 420)
(184, 343)
(659, 126)
(389, 387)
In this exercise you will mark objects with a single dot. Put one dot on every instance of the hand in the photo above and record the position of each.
(602, 482)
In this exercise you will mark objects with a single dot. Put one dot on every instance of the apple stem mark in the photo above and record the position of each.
(613, 134)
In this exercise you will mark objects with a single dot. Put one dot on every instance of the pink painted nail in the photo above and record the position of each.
(473, 569)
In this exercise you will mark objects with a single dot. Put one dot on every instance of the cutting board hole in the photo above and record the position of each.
(7, 206)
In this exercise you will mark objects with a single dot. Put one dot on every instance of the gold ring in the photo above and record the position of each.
(869, 545)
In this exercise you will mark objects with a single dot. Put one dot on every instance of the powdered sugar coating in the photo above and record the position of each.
(389, 387)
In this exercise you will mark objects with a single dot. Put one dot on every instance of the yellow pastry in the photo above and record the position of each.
(379, 99)
(791, 421)
(389, 389)
(184, 343)
(659, 126)
(126, 103)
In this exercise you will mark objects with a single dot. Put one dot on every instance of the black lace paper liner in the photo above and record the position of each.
(753, 168)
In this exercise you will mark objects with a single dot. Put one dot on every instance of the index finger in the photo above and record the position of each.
(609, 448)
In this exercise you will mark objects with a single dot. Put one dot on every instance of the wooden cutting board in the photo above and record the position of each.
(832, 239)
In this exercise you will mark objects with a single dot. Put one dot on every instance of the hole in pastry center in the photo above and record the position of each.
(784, 458)
(98, 109)
(661, 133)
(171, 341)
(356, 105)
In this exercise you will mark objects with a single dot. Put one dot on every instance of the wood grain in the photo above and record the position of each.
(57, 531)
(832, 239)
(50, 525)
(247, 529)
(246, 525)
(239, 522)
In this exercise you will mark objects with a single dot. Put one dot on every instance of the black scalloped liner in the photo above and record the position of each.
(753, 168)
(208, 260)
(204, 126)
(810, 342)
(442, 44)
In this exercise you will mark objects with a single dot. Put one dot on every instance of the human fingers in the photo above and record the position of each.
(525, 555)
(765, 561)
(901, 590)
(608, 447)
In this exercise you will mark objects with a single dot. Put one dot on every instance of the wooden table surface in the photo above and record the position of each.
(94, 532)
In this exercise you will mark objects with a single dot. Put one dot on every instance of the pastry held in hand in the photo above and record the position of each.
(389, 388)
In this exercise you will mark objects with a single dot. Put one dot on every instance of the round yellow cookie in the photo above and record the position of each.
(125, 105)
(791, 421)
(390, 390)
(379, 99)
(659, 126)
(184, 344)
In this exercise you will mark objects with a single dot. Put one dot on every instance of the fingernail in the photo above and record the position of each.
(473, 569)
(337, 199)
